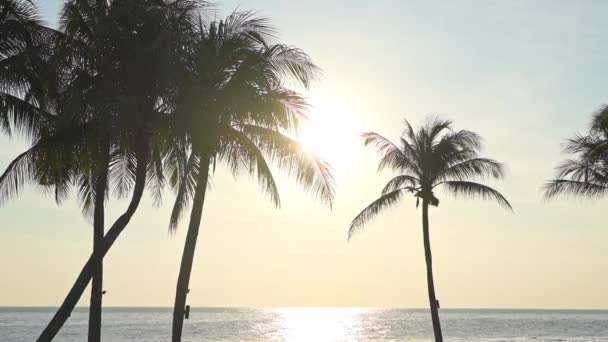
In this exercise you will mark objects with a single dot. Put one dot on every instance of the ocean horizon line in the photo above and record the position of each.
(156, 307)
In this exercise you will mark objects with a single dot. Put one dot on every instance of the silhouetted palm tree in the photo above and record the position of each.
(586, 174)
(126, 53)
(37, 99)
(434, 156)
(66, 152)
(49, 93)
(234, 109)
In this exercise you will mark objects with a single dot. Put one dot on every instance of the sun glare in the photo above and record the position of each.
(318, 324)
(330, 133)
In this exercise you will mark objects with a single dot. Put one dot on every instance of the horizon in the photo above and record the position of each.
(84, 308)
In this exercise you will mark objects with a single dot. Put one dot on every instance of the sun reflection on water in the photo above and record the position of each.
(318, 324)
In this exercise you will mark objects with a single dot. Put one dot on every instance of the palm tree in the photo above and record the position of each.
(586, 174)
(234, 109)
(128, 56)
(434, 156)
(46, 97)
(34, 101)
(143, 42)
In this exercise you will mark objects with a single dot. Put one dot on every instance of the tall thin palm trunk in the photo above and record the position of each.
(70, 301)
(98, 232)
(185, 269)
(429, 272)
(450, 159)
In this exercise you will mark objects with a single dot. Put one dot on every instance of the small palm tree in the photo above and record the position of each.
(434, 156)
(585, 175)
(234, 109)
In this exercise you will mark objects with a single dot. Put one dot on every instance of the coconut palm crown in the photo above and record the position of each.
(434, 156)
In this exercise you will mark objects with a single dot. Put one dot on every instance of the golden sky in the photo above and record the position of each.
(525, 75)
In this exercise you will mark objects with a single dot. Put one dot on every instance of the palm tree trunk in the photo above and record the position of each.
(98, 232)
(429, 272)
(96, 284)
(66, 308)
(185, 269)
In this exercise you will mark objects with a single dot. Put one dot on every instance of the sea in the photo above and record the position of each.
(315, 325)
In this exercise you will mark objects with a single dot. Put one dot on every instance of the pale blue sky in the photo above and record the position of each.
(523, 74)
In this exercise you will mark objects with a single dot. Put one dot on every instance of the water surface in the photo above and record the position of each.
(315, 324)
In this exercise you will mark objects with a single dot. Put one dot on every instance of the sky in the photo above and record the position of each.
(524, 74)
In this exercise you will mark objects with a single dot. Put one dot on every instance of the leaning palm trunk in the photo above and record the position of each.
(429, 272)
(87, 272)
(98, 232)
(185, 269)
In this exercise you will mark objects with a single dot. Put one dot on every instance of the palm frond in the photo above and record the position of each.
(291, 63)
(76, 21)
(248, 24)
(371, 211)
(21, 116)
(475, 190)
(451, 149)
(408, 132)
(600, 120)
(19, 21)
(86, 194)
(402, 181)
(16, 72)
(473, 168)
(591, 148)
(185, 186)
(61, 187)
(391, 155)
(434, 127)
(18, 171)
(156, 178)
(241, 151)
(567, 187)
(460, 140)
(309, 170)
(595, 171)
(122, 172)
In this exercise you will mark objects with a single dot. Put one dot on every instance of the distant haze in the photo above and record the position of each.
(525, 75)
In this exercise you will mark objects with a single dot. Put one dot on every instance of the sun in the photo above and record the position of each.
(329, 132)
